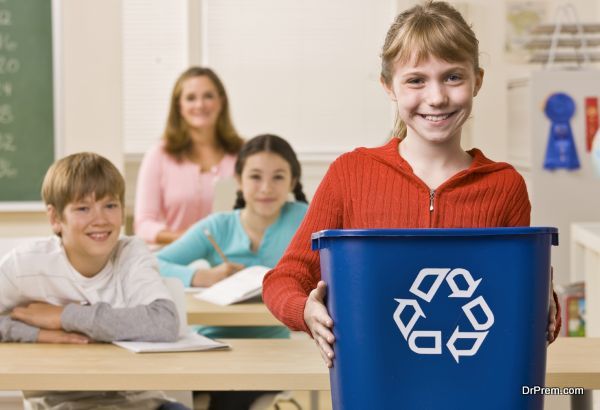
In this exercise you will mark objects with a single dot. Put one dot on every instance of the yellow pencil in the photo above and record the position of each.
(215, 245)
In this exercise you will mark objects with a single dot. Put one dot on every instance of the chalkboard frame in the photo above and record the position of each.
(38, 206)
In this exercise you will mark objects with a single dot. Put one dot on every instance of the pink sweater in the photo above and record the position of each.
(173, 195)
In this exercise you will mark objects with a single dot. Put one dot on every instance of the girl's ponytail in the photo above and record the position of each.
(399, 130)
(299, 193)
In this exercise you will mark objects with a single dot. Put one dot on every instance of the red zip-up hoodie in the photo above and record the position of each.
(376, 188)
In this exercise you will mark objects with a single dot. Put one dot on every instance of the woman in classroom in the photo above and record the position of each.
(199, 146)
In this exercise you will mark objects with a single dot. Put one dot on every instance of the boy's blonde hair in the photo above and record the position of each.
(76, 176)
(434, 29)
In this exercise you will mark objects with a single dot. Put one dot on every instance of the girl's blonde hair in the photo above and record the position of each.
(177, 139)
(433, 29)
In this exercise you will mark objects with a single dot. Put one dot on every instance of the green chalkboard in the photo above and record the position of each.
(26, 98)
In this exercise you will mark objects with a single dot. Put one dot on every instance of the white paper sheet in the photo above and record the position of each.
(238, 287)
(188, 343)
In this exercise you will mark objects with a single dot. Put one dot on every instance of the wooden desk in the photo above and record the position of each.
(200, 312)
(574, 362)
(250, 365)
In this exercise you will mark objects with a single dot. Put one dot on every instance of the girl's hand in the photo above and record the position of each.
(319, 322)
(38, 314)
(551, 314)
(60, 336)
(166, 237)
(208, 277)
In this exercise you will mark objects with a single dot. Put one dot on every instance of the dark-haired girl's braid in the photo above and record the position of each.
(239, 200)
(299, 194)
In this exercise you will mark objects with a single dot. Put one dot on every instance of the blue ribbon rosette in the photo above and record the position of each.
(560, 151)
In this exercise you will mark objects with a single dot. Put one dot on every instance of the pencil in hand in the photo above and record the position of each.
(216, 246)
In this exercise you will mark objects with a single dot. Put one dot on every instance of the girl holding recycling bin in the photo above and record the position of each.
(421, 178)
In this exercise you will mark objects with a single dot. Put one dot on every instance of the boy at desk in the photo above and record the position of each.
(85, 283)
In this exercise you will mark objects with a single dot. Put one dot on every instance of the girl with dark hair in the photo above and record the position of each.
(277, 145)
(199, 145)
(256, 232)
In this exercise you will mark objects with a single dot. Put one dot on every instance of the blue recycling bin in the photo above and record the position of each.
(437, 318)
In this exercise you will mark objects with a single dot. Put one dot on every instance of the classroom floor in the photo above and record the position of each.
(13, 401)
(303, 399)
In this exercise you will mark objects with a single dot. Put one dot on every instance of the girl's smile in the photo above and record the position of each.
(437, 117)
(266, 182)
(434, 97)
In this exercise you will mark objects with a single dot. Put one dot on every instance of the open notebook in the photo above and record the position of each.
(243, 285)
(188, 339)
(191, 342)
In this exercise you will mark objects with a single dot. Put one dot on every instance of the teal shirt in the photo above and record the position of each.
(226, 228)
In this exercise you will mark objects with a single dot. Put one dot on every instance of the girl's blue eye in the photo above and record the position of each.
(112, 205)
(82, 208)
(454, 77)
(415, 81)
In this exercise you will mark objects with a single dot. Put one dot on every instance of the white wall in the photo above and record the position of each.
(489, 124)
(307, 72)
(91, 85)
(155, 52)
(91, 78)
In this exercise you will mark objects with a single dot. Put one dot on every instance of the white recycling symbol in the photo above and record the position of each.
(480, 330)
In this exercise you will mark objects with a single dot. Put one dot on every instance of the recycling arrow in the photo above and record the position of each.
(402, 303)
(456, 291)
(440, 273)
(479, 301)
(421, 334)
(457, 335)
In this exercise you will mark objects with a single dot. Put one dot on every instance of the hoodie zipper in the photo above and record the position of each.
(431, 198)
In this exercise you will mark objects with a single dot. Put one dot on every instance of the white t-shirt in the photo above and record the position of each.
(40, 271)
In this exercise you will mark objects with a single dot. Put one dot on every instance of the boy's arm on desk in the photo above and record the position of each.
(16, 331)
(155, 322)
